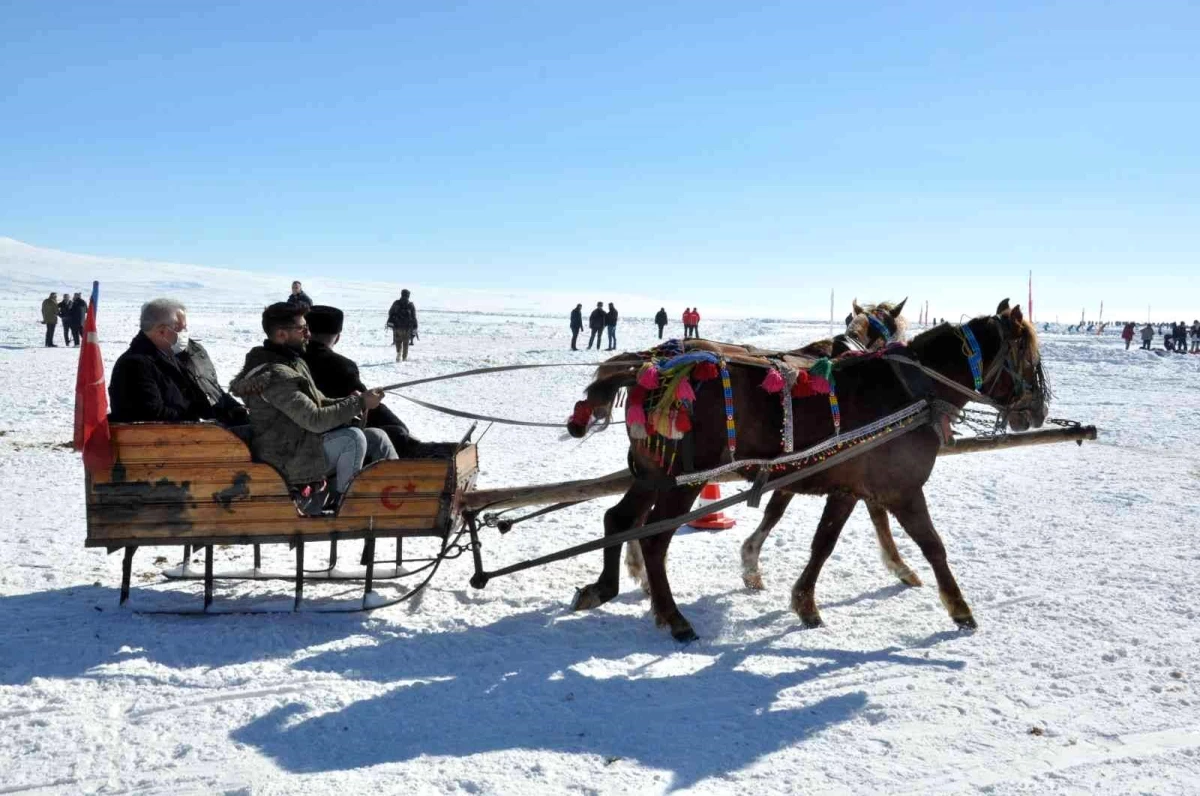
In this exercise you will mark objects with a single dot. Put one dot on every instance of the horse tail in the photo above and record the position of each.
(613, 374)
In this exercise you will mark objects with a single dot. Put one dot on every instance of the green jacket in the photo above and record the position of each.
(49, 311)
(288, 414)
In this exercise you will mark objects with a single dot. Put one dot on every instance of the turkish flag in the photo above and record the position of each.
(91, 397)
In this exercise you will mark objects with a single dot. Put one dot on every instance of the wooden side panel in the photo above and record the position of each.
(176, 442)
(158, 497)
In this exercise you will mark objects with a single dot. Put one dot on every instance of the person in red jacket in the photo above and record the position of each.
(695, 322)
(687, 322)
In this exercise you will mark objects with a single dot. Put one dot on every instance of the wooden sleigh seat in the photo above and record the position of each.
(196, 485)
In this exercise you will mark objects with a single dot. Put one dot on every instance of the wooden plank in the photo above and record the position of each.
(234, 480)
(235, 451)
(254, 511)
(318, 528)
(171, 433)
(466, 461)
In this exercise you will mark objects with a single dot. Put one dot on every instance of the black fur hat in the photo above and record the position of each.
(325, 320)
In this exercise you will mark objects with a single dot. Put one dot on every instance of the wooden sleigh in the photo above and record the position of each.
(196, 485)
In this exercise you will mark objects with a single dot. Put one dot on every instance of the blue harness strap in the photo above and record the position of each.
(974, 357)
(880, 327)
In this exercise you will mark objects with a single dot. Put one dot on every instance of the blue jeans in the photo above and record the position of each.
(612, 336)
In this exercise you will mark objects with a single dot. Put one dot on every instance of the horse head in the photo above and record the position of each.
(1011, 366)
(876, 325)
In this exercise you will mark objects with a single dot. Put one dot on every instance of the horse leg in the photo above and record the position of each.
(838, 508)
(887, 547)
(654, 549)
(621, 517)
(913, 514)
(776, 506)
(635, 564)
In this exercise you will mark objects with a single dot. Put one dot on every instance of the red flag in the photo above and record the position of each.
(91, 397)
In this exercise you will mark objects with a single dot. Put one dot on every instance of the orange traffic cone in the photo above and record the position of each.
(715, 521)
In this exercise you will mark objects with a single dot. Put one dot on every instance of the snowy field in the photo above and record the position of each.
(1079, 562)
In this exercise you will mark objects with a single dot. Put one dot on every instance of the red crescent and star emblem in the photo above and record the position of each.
(385, 495)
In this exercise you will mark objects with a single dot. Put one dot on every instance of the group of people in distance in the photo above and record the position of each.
(601, 320)
(72, 311)
(1175, 336)
(306, 411)
(598, 322)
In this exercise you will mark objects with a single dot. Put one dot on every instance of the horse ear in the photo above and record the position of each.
(1016, 315)
(899, 308)
(854, 306)
(1002, 307)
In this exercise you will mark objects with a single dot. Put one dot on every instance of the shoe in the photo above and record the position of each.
(397, 357)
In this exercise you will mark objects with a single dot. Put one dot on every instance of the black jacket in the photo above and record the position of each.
(298, 299)
(596, 319)
(337, 376)
(64, 310)
(78, 312)
(576, 319)
(610, 317)
(199, 367)
(148, 384)
(660, 318)
(403, 314)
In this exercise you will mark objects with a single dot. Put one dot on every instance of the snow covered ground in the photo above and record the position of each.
(1080, 564)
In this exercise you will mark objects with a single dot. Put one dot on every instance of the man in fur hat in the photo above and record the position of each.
(337, 376)
(296, 428)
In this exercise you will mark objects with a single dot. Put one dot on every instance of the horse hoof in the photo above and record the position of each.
(753, 581)
(910, 578)
(684, 635)
(588, 597)
(966, 622)
(812, 621)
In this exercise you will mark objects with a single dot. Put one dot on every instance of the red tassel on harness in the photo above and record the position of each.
(705, 371)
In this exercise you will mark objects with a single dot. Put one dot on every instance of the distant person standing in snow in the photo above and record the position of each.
(610, 323)
(687, 322)
(298, 297)
(576, 325)
(695, 322)
(660, 320)
(402, 318)
(596, 326)
(64, 314)
(1147, 336)
(1127, 335)
(78, 314)
(50, 318)
(1195, 336)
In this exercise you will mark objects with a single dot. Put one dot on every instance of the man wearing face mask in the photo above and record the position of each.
(148, 381)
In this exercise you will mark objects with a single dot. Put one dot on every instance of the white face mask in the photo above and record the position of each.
(181, 342)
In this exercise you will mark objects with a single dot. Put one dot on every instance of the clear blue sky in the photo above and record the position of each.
(936, 149)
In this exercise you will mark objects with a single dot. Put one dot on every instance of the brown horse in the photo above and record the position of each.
(1007, 370)
(870, 328)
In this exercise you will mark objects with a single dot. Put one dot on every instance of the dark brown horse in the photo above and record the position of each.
(892, 476)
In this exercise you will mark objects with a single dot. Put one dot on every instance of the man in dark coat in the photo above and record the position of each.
(298, 297)
(76, 316)
(660, 320)
(337, 376)
(610, 323)
(199, 367)
(402, 319)
(576, 325)
(64, 314)
(596, 325)
(148, 383)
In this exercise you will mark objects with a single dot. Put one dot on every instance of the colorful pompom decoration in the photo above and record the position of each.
(648, 376)
(803, 386)
(684, 391)
(773, 383)
(705, 371)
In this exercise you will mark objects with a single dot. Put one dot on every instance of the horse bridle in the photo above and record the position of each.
(1011, 345)
(874, 321)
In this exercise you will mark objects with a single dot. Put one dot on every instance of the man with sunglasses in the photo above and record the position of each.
(294, 426)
